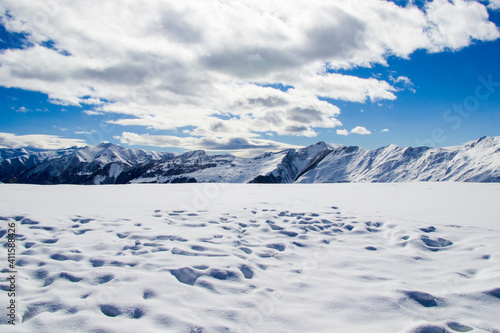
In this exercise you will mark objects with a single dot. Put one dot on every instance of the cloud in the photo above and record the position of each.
(85, 132)
(250, 110)
(360, 130)
(62, 129)
(342, 132)
(213, 144)
(402, 83)
(39, 141)
(356, 130)
(493, 4)
(403, 79)
(22, 109)
(91, 112)
(342, 87)
(384, 130)
(212, 65)
(451, 17)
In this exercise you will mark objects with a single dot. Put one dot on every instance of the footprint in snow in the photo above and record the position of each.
(110, 310)
(422, 298)
(457, 327)
(29, 221)
(436, 244)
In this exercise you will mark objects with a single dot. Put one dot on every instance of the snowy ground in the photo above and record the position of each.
(412, 257)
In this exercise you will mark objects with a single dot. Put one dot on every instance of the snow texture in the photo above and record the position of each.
(413, 257)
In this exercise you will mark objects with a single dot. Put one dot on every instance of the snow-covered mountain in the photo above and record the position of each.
(103, 164)
(14, 162)
(478, 161)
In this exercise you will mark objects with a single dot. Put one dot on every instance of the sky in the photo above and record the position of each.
(248, 76)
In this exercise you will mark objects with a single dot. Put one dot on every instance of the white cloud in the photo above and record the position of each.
(22, 109)
(401, 83)
(39, 141)
(451, 18)
(385, 130)
(342, 132)
(343, 87)
(356, 130)
(173, 64)
(493, 4)
(62, 129)
(85, 132)
(403, 79)
(92, 112)
(360, 130)
(209, 143)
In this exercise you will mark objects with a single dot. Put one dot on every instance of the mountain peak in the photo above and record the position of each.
(484, 142)
(319, 146)
(321, 143)
(107, 145)
(194, 154)
(324, 145)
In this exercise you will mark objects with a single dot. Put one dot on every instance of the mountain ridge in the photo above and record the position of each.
(475, 161)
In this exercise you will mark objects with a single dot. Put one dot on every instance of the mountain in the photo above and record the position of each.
(14, 162)
(477, 161)
(103, 164)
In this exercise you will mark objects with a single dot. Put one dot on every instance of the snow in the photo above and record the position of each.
(217, 168)
(477, 161)
(107, 152)
(401, 257)
(115, 170)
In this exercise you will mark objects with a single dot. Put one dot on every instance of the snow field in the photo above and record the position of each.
(421, 257)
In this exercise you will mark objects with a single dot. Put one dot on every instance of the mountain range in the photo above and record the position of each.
(477, 161)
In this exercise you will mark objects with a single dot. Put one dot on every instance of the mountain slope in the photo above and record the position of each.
(14, 162)
(102, 164)
(295, 163)
(478, 161)
(197, 166)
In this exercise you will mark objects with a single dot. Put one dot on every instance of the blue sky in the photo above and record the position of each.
(248, 77)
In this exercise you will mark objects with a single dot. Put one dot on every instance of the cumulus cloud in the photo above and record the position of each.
(212, 65)
(39, 141)
(493, 4)
(451, 17)
(356, 130)
(342, 132)
(360, 130)
(385, 130)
